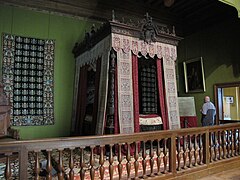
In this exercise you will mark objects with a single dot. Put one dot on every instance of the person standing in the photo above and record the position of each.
(208, 112)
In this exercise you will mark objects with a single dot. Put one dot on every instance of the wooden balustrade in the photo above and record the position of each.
(141, 155)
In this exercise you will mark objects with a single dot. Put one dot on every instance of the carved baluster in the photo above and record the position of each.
(101, 161)
(8, 172)
(219, 145)
(232, 142)
(179, 153)
(238, 141)
(158, 158)
(92, 171)
(151, 158)
(235, 142)
(211, 145)
(82, 163)
(71, 165)
(190, 147)
(110, 162)
(120, 161)
(49, 165)
(228, 143)
(60, 166)
(165, 155)
(215, 146)
(184, 152)
(200, 150)
(136, 163)
(224, 144)
(37, 166)
(144, 163)
(195, 150)
(128, 161)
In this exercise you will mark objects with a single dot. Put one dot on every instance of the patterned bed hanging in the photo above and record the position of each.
(28, 69)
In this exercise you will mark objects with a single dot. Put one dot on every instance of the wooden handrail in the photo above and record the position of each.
(200, 145)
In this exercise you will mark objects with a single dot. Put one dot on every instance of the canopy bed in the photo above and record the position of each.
(125, 79)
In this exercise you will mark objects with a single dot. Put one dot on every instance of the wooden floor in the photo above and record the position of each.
(233, 174)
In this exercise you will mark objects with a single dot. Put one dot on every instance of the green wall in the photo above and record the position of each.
(219, 47)
(65, 31)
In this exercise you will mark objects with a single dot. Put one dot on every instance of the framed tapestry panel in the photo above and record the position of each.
(28, 69)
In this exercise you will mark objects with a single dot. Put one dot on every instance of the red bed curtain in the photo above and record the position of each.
(82, 99)
(135, 93)
(162, 101)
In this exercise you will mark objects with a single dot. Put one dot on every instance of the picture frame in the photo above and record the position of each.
(194, 75)
(229, 99)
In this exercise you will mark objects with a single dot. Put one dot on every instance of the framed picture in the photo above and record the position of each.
(229, 99)
(194, 75)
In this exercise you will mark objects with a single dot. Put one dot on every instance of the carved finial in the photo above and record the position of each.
(123, 20)
(147, 16)
(93, 29)
(113, 56)
(113, 15)
(173, 31)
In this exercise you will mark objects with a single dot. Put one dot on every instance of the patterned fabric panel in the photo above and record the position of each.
(148, 87)
(28, 79)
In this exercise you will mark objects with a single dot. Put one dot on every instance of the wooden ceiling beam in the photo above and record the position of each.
(97, 10)
(190, 14)
(84, 10)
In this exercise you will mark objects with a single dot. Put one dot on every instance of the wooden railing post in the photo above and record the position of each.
(8, 171)
(206, 146)
(23, 162)
(172, 155)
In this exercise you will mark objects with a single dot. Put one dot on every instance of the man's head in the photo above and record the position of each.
(206, 99)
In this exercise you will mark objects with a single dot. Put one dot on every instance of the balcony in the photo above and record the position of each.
(185, 153)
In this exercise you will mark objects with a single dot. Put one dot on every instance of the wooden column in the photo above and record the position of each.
(111, 89)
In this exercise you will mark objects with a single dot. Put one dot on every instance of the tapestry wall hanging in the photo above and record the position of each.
(28, 69)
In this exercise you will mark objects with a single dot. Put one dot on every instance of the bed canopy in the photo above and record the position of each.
(125, 78)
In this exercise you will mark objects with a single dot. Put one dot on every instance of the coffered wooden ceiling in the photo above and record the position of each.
(188, 16)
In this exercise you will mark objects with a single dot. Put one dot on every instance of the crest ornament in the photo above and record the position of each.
(148, 29)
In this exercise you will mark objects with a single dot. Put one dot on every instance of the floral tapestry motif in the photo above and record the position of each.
(116, 43)
(170, 74)
(28, 69)
(135, 47)
(144, 48)
(125, 86)
(125, 97)
(126, 45)
(173, 53)
(125, 68)
(159, 51)
(172, 101)
(167, 52)
(171, 87)
(151, 50)
(126, 101)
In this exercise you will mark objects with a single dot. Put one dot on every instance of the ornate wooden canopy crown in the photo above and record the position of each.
(145, 29)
